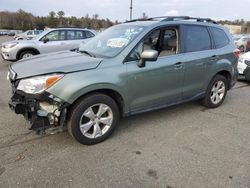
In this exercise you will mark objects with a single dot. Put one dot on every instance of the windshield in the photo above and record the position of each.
(112, 41)
(38, 36)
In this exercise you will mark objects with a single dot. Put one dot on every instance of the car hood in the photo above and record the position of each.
(20, 42)
(59, 62)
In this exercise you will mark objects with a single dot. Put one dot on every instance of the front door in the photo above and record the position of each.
(159, 83)
(56, 41)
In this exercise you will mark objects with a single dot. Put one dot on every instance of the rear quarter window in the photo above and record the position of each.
(220, 37)
(196, 38)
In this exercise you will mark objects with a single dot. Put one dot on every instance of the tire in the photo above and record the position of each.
(210, 99)
(85, 114)
(242, 49)
(26, 54)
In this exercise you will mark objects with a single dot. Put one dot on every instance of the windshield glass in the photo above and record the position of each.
(112, 41)
(38, 36)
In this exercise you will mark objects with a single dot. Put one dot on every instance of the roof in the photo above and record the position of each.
(171, 19)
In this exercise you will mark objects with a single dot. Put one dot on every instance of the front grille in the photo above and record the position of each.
(247, 62)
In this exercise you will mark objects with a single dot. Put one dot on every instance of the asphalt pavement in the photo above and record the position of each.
(183, 146)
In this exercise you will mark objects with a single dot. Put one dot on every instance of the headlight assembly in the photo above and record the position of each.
(38, 84)
(10, 45)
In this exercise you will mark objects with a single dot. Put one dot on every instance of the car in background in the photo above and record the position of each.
(27, 35)
(51, 40)
(241, 42)
(244, 66)
(248, 45)
(12, 33)
(3, 33)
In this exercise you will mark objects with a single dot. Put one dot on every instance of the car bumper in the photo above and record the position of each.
(241, 67)
(8, 54)
(42, 111)
(244, 70)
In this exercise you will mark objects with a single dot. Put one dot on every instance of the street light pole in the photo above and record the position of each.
(131, 7)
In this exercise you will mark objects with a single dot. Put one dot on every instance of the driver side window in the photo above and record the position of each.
(165, 41)
(151, 42)
(55, 36)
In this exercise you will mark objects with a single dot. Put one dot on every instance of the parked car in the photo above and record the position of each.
(244, 65)
(27, 35)
(248, 45)
(51, 40)
(11, 33)
(127, 69)
(241, 43)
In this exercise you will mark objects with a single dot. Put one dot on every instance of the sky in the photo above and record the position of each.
(119, 9)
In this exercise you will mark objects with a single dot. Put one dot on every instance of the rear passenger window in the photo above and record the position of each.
(220, 37)
(196, 38)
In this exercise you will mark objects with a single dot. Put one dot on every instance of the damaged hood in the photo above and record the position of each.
(59, 62)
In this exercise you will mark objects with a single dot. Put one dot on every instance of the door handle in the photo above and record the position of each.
(214, 58)
(178, 65)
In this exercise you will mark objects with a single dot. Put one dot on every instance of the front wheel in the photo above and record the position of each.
(216, 92)
(93, 119)
(26, 54)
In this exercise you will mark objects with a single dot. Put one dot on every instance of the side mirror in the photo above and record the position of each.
(45, 40)
(147, 55)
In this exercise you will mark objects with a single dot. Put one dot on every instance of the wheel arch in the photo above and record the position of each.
(115, 95)
(227, 75)
(27, 49)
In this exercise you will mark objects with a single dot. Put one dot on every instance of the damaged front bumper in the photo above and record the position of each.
(43, 111)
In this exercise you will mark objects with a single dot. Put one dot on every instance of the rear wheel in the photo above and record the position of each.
(216, 92)
(93, 119)
(26, 54)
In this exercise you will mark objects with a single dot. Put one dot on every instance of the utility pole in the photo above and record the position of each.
(131, 8)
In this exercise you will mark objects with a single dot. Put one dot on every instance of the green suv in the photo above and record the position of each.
(130, 68)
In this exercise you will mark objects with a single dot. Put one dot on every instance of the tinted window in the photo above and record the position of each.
(75, 35)
(196, 38)
(29, 33)
(89, 34)
(220, 37)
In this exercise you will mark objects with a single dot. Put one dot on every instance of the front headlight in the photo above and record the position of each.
(38, 84)
(10, 45)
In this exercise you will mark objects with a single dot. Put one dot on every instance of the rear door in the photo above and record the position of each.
(197, 50)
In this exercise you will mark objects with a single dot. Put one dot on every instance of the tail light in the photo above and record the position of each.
(237, 53)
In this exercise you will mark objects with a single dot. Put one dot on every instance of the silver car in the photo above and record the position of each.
(51, 40)
(27, 35)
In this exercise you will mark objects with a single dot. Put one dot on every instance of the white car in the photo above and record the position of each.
(244, 65)
(27, 35)
(241, 43)
(51, 40)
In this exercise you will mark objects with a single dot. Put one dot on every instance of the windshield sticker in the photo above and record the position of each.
(117, 42)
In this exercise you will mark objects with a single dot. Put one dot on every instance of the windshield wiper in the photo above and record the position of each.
(88, 53)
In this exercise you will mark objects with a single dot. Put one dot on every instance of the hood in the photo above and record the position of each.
(19, 42)
(59, 62)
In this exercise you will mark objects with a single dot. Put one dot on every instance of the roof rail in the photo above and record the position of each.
(173, 18)
(139, 19)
